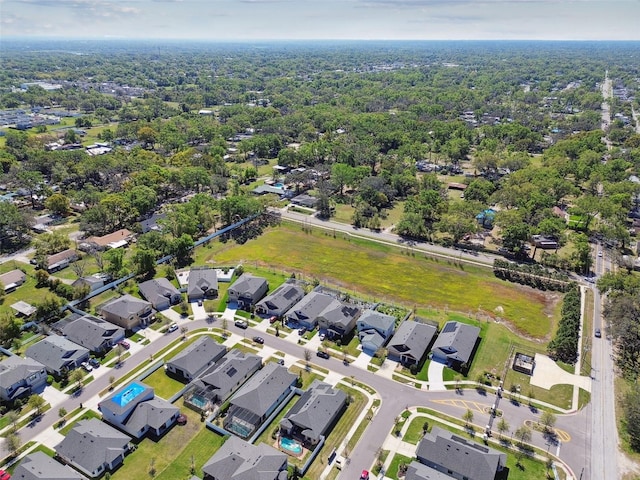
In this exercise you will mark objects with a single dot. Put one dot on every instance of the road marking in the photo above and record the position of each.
(465, 404)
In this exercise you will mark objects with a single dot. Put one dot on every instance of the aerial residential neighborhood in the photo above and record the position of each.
(318, 260)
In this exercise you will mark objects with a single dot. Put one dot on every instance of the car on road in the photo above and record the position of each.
(241, 324)
(598, 333)
(600, 253)
(124, 344)
(86, 366)
(172, 328)
(322, 354)
(94, 362)
(302, 331)
(364, 475)
(259, 340)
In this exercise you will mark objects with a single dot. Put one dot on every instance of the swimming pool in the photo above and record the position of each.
(198, 401)
(128, 394)
(278, 185)
(290, 445)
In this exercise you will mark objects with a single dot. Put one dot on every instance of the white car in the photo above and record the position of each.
(86, 366)
(172, 328)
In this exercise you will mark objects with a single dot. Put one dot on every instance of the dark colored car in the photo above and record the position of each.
(322, 354)
(94, 362)
(598, 333)
(302, 331)
(124, 344)
(259, 340)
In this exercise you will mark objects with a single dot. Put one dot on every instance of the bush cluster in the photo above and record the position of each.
(564, 346)
(532, 275)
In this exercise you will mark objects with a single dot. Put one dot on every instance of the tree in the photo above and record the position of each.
(144, 262)
(58, 204)
(31, 181)
(36, 402)
(307, 357)
(12, 442)
(79, 267)
(181, 247)
(115, 259)
(523, 434)
(467, 417)
(12, 418)
(548, 420)
(76, 376)
(631, 406)
(14, 225)
(503, 426)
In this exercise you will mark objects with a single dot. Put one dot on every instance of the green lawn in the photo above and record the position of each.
(163, 385)
(384, 273)
(87, 415)
(414, 432)
(398, 459)
(26, 292)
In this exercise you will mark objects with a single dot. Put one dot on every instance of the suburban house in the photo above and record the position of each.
(280, 300)
(257, 399)
(57, 354)
(460, 458)
(127, 312)
(12, 280)
(40, 466)
(160, 292)
(203, 284)
(222, 380)
(93, 447)
(112, 240)
(374, 329)
(195, 359)
(305, 313)
(93, 333)
(94, 282)
(136, 410)
(240, 460)
(61, 260)
(545, 242)
(314, 414)
(338, 319)
(411, 342)
(455, 344)
(20, 376)
(152, 224)
(247, 290)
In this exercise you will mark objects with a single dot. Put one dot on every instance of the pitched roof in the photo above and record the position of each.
(456, 341)
(316, 408)
(229, 372)
(92, 443)
(91, 332)
(371, 336)
(125, 306)
(283, 297)
(55, 352)
(198, 355)
(339, 314)
(40, 466)
(412, 339)
(56, 258)
(468, 459)
(111, 238)
(263, 389)
(151, 223)
(311, 306)
(12, 277)
(247, 285)
(158, 290)
(13, 369)
(202, 279)
(418, 471)
(153, 413)
(377, 320)
(240, 460)
(125, 398)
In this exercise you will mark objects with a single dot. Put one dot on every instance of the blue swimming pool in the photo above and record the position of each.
(278, 185)
(198, 401)
(290, 445)
(128, 394)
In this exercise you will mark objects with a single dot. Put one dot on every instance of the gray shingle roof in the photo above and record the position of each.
(467, 459)
(158, 290)
(310, 307)
(125, 306)
(197, 356)
(54, 352)
(13, 276)
(418, 471)
(412, 339)
(263, 389)
(316, 409)
(282, 298)
(153, 413)
(92, 332)
(376, 320)
(202, 279)
(114, 404)
(456, 341)
(14, 369)
(40, 466)
(239, 460)
(92, 443)
(247, 285)
(224, 377)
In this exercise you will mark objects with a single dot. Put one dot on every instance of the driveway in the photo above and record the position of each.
(436, 381)
(547, 374)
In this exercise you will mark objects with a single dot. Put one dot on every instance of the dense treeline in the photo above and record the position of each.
(564, 346)
(533, 275)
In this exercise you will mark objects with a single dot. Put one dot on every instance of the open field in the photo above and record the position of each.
(382, 272)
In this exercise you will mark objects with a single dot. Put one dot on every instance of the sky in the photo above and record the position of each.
(324, 19)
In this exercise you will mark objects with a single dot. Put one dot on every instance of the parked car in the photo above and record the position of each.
(259, 340)
(241, 323)
(322, 354)
(124, 344)
(364, 475)
(598, 333)
(200, 302)
(273, 319)
(172, 328)
(302, 331)
(281, 361)
(86, 366)
(94, 362)
(322, 337)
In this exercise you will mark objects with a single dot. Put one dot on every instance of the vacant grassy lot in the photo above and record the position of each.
(383, 272)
